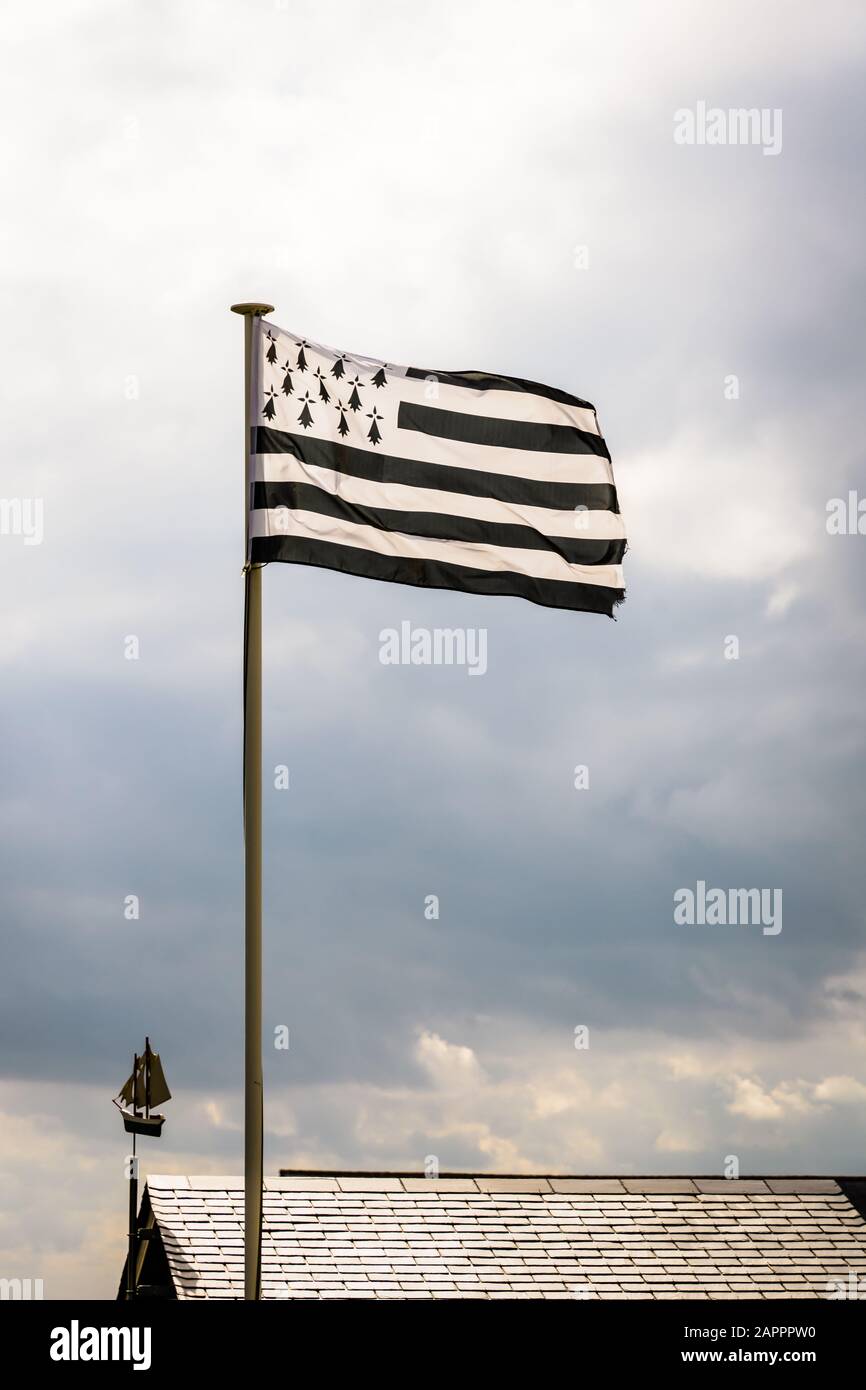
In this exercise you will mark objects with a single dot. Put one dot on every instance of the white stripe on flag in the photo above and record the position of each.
(501, 405)
(580, 525)
(536, 564)
(484, 458)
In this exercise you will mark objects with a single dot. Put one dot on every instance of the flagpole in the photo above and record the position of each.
(252, 795)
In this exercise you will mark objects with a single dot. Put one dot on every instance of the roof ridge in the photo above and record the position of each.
(605, 1176)
(401, 1174)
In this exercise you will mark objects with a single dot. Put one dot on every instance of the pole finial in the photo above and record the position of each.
(254, 310)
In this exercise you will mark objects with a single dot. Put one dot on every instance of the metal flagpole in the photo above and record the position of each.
(132, 1257)
(253, 1096)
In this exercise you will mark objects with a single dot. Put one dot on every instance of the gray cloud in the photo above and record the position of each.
(414, 184)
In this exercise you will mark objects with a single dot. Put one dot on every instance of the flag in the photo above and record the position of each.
(446, 480)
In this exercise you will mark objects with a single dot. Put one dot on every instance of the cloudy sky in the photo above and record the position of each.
(467, 186)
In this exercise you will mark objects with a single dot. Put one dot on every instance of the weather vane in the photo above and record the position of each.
(144, 1088)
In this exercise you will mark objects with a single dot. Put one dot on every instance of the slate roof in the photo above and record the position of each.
(344, 1236)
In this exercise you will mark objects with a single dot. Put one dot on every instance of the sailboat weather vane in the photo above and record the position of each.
(145, 1088)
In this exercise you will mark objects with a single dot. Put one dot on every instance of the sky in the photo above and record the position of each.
(462, 186)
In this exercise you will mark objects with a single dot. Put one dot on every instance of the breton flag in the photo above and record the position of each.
(445, 480)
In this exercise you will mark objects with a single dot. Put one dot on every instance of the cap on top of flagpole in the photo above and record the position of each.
(255, 309)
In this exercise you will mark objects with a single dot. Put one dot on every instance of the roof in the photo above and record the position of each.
(332, 1235)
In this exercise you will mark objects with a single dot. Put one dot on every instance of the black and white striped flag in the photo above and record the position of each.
(447, 480)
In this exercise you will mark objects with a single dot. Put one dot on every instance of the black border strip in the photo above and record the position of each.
(489, 381)
(536, 436)
(433, 574)
(576, 550)
(441, 477)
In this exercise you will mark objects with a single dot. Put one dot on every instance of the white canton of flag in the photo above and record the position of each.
(449, 480)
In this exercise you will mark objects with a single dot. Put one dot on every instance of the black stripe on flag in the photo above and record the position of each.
(484, 381)
(434, 574)
(502, 434)
(438, 526)
(469, 482)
